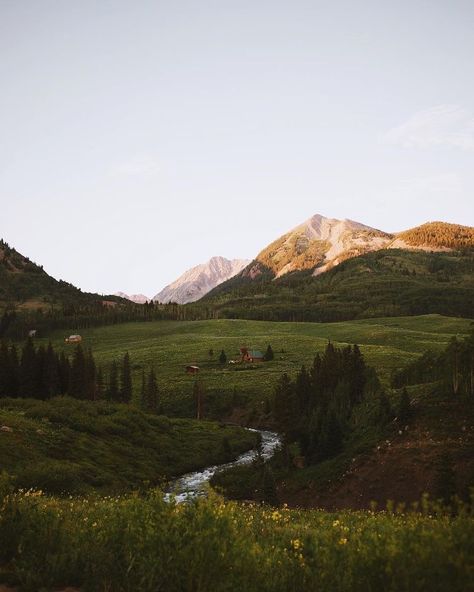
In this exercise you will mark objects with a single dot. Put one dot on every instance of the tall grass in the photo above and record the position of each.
(135, 543)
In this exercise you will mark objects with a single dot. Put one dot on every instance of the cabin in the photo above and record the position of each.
(192, 369)
(73, 339)
(251, 355)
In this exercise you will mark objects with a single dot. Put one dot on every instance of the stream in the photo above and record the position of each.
(195, 484)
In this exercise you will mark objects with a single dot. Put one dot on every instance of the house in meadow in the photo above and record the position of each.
(251, 355)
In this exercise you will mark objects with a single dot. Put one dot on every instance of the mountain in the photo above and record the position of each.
(199, 280)
(319, 244)
(334, 270)
(137, 298)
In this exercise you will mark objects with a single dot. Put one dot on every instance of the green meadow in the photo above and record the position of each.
(141, 543)
(168, 346)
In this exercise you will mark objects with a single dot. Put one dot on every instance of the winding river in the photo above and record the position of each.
(195, 484)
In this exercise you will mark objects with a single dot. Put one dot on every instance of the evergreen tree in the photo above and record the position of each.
(64, 369)
(101, 387)
(90, 377)
(385, 412)
(28, 372)
(198, 395)
(152, 395)
(143, 392)
(113, 393)
(222, 357)
(126, 387)
(51, 372)
(404, 407)
(445, 482)
(285, 407)
(78, 378)
(269, 354)
(269, 489)
(4, 370)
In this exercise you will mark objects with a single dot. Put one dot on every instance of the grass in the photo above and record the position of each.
(69, 446)
(142, 543)
(387, 343)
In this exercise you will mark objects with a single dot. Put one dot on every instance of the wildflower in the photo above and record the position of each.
(296, 544)
(342, 541)
(336, 523)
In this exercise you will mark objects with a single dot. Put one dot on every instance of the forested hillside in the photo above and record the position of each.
(388, 282)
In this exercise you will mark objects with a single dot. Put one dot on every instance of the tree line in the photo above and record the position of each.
(43, 373)
(315, 408)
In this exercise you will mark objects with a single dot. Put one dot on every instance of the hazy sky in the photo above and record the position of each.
(139, 138)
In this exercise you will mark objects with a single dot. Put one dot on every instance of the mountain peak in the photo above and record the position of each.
(201, 279)
(320, 243)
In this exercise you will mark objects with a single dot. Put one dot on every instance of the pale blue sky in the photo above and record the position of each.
(139, 138)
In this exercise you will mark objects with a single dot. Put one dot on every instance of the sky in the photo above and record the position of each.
(140, 138)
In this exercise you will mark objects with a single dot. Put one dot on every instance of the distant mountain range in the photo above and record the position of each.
(137, 298)
(323, 269)
(199, 280)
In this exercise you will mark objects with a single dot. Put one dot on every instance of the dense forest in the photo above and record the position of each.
(315, 409)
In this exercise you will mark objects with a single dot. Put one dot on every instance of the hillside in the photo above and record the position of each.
(68, 446)
(26, 286)
(382, 283)
(436, 235)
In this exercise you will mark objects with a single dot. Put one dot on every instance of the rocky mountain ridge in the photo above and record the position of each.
(201, 279)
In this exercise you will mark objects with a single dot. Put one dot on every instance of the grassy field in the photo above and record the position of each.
(136, 543)
(169, 346)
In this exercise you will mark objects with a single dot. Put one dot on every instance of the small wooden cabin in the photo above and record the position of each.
(192, 369)
(251, 355)
(73, 339)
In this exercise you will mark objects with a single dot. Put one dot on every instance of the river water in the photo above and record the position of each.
(195, 484)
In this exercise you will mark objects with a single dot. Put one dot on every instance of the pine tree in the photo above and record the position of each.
(64, 369)
(4, 370)
(385, 412)
(143, 392)
(113, 393)
(90, 377)
(198, 395)
(101, 387)
(51, 372)
(404, 407)
(14, 373)
(269, 354)
(126, 387)
(222, 357)
(152, 395)
(269, 489)
(78, 379)
(28, 370)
